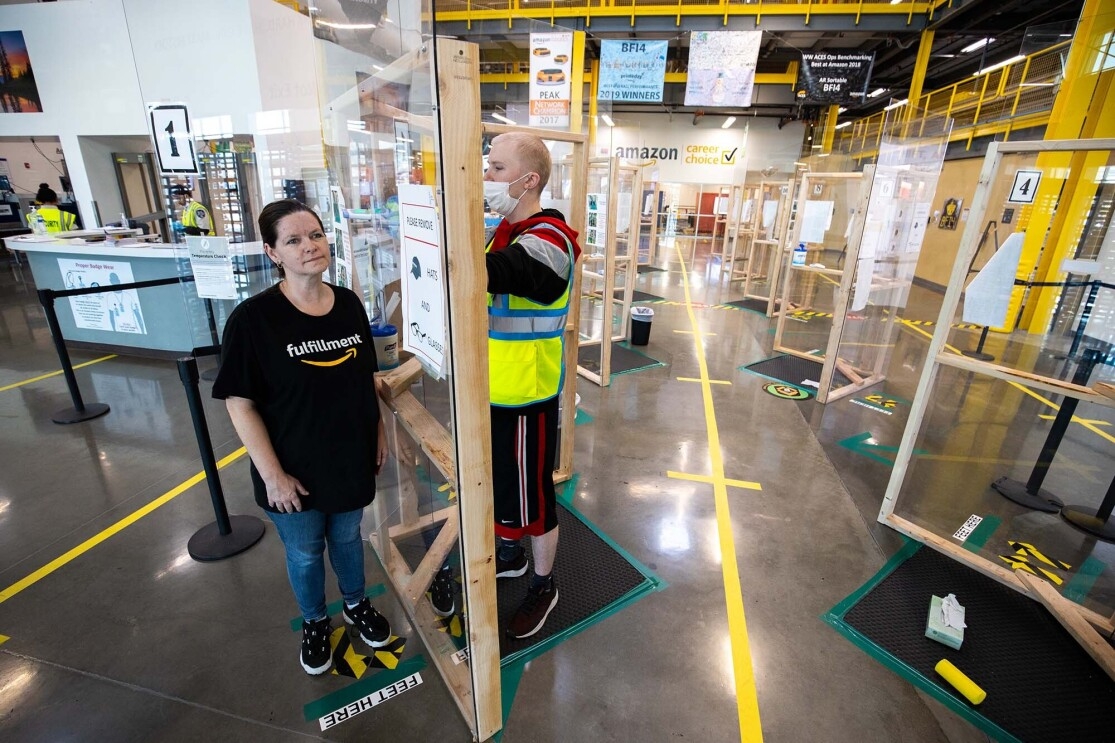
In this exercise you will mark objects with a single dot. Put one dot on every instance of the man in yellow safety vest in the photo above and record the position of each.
(196, 219)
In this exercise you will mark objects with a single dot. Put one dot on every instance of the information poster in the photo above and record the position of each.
(834, 78)
(722, 68)
(116, 310)
(632, 70)
(342, 241)
(549, 79)
(212, 267)
(423, 290)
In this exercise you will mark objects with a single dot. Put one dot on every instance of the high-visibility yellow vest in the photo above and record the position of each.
(56, 220)
(526, 342)
(197, 216)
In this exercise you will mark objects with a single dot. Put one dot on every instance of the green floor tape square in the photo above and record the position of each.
(1041, 685)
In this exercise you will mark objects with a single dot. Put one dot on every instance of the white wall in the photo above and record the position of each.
(20, 153)
(758, 140)
(96, 153)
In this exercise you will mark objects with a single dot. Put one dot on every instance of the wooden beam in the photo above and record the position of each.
(1064, 612)
(390, 383)
(1027, 379)
(1002, 574)
(435, 556)
(428, 432)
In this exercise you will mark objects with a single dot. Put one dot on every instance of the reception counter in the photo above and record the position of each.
(170, 318)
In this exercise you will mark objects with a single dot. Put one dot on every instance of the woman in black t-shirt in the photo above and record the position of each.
(296, 376)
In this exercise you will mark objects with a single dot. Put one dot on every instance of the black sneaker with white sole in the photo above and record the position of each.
(317, 656)
(372, 626)
(511, 568)
(532, 613)
(443, 593)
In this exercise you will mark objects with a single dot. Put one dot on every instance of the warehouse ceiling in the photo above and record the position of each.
(1012, 26)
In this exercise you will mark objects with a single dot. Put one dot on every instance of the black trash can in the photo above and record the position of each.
(641, 318)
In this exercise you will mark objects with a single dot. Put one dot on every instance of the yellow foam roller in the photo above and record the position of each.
(970, 689)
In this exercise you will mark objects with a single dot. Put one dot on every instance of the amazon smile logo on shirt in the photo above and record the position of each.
(323, 346)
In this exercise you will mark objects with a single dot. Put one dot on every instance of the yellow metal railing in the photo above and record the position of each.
(1017, 96)
(485, 10)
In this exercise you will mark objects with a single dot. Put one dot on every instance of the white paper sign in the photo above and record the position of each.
(212, 267)
(1025, 187)
(865, 270)
(170, 128)
(987, 296)
(423, 284)
(816, 220)
(116, 311)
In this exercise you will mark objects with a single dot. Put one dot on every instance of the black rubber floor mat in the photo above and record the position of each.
(590, 574)
(794, 370)
(1041, 685)
(638, 296)
(624, 359)
(648, 269)
(755, 305)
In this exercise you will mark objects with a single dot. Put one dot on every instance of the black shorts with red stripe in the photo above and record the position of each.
(524, 447)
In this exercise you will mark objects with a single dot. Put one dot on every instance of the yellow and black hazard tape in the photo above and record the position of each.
(1023, 559)
(347, 662)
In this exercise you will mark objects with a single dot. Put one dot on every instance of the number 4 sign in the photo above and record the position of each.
(170, 128)
(1025, 187)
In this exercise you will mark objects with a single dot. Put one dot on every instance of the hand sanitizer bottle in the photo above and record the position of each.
(799, 256)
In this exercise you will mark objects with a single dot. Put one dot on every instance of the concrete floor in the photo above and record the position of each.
(133, 640)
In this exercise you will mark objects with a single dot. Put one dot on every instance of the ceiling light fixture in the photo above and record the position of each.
(876, 93)
(896, 104)
(841, 126)
(841, 110)
(501, 117)
(607, 119)
(997, 65)
(728, 122)
(977, 45)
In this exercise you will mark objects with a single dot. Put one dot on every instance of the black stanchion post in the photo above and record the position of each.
(979, 352)
(80, 411)
(1031, 494)
(1089, 303)
(210, 374)
(1095, 521)
(228, 535)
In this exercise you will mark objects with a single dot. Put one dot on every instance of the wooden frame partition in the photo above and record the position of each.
(1066, 611)
(832, 362)
(606, 266)
(766, 255)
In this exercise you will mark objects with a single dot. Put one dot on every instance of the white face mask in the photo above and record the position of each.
(499, 198)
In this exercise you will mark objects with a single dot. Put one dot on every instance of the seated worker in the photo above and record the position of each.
(196, 219)
(55, 219)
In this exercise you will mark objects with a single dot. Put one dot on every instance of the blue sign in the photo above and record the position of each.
(632, 71)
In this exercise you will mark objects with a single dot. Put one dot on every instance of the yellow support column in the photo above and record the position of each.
(577, 82)
(830, 129)
(918, 79)
(1078, 113)
(594, 90)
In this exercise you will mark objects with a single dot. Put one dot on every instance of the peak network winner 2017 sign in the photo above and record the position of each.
(834, 78)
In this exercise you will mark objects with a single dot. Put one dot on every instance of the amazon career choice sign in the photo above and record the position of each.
(834, 78)
(702, 156)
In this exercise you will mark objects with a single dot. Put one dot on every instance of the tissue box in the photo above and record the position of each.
(935, 629)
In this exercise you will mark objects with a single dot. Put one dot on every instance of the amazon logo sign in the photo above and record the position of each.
(346, 345)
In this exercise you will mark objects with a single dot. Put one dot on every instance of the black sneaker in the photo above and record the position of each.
(511, 568)
(317, 656)
(531, 615)
(443, 593)
(372, 625)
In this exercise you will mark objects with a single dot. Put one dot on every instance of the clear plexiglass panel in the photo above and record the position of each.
(1019, 437)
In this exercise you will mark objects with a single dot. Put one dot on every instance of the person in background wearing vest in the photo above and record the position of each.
(196, 219)
(55, 219)
(530, 260)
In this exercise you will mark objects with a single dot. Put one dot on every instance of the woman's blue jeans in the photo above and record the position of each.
(305, 535)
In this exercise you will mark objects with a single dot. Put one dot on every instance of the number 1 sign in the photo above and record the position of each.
(170, 128)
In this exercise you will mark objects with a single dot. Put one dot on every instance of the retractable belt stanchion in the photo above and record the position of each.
(228, 535)
(1030, 493)
(80, 411)
(210, 374)
(1095, 521)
